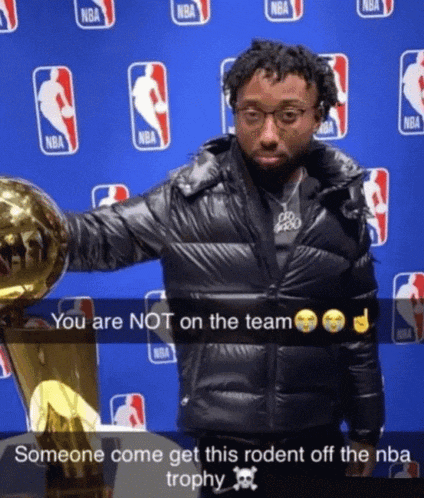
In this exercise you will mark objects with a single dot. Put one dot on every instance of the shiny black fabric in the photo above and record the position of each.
(214, 236)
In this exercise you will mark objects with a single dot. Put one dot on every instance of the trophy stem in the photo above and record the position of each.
(56, 372)
(15, 317)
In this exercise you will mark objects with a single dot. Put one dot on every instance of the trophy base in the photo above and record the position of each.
(79, 492)
(60, 486)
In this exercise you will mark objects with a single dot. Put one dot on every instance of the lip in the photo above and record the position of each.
(269, 160)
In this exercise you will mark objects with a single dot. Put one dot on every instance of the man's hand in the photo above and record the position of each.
(361, 468)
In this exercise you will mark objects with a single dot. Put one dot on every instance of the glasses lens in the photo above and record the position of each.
(282, 117)
(253, 117)
(287, 116)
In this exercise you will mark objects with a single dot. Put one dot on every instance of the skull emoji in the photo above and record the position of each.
(245, 478)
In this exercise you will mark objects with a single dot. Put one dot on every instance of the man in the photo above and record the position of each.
(262, 223)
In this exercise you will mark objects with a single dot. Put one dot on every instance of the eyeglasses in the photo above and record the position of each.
(255, 117)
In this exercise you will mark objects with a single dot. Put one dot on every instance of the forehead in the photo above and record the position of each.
(270, 91)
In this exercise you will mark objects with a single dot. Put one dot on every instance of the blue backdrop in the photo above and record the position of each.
(99, 99)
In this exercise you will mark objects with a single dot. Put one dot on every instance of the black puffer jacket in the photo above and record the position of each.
(214, 236)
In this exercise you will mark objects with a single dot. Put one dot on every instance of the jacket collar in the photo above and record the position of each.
(205, 170)
(334, 170)
(331, 166)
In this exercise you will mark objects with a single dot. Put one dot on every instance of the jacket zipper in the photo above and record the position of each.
(272, 348)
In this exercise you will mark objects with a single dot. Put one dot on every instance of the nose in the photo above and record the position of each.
(269, 133)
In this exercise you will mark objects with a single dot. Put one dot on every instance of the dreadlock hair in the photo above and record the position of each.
(280, 60)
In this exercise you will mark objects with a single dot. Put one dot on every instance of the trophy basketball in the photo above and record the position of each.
(55, 369)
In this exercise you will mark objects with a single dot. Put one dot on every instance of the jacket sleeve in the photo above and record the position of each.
(363, 384)
(119, 235)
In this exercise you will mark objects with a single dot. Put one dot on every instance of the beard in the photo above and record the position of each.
(272, 178)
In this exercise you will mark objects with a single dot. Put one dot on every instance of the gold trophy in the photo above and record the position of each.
(55, 369)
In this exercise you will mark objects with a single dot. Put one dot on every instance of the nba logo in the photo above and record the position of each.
(283, 10)
(149, 107)
(408, 307)
(374, 8)
(376, 189)
(77, 306)
(411, 93)
(5, 367)
(106, 195)
(55, 107)
(160, 344)
(94, 14)
(8, 16)
(127, 410)
(335, 126)
(227, 115)
(190, 12)
(407, 470)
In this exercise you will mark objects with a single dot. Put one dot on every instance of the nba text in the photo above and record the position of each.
(90, 15)
(370, 5)
(280, 7)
